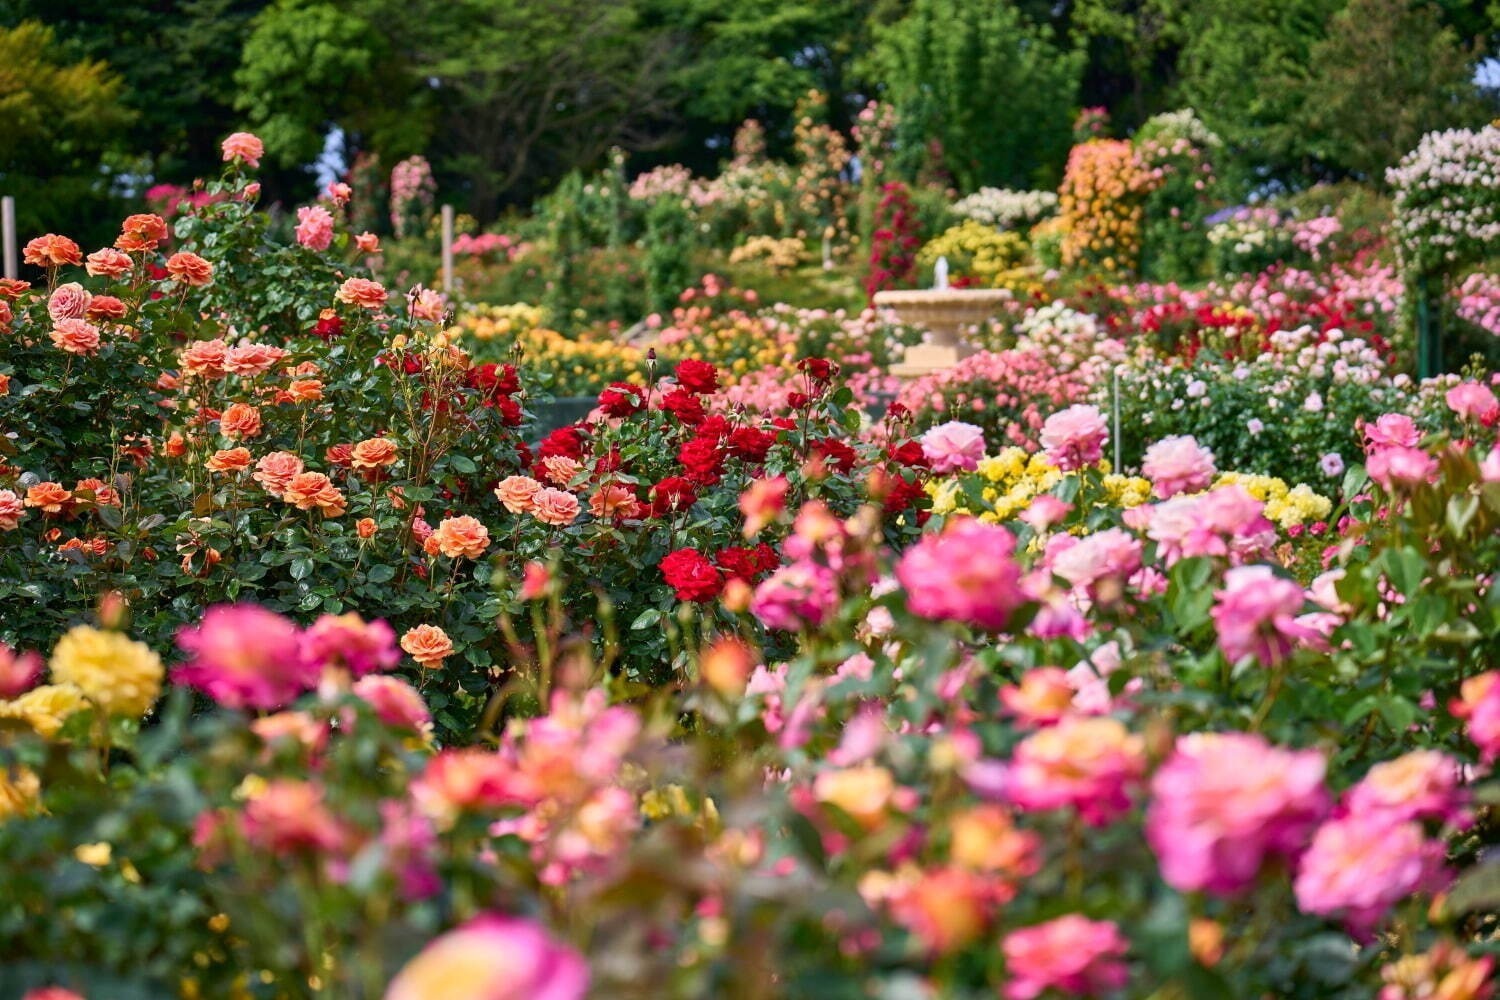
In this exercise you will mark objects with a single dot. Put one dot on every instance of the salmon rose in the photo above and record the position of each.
(429, 645)
(245, 148)
(252, 359)
(108, 263)
(518, 493)
(276, 470)
(76, 336)
(51, 250)
(204, 358)
(190, 269)
(555, 507)
(229, 460)
(140, 234)
(461, 536)
(373, 453)
(310, 490)
(362, 292)
(240, 420)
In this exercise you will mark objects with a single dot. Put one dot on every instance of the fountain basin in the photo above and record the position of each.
(946, 312)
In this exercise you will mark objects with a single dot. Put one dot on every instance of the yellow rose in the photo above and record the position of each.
(120, 675)
(45, 708)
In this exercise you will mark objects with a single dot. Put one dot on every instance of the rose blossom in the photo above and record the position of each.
(252, 359)
(204, 359)
(1089, 763)
(12, 509)
(1256, 615)
(75, 336)
(554, 507)
(1391, 430)
(493, 958)
(1473, 401)
(314, 227)
(362, 292)
(244, 147)
(1224, 803)
(313, 490)
(394, 702)
(287, 815)
(228, 460)
(50, 251)
(801, 595)
(518, 493)
(1110, 556)
(189, 269)
(1398, 466)
(276, 470)
(68, 301)
(614, 501)
(350, 642)
(239, 420)
(966, 574)
(244, 656)
(373, 453)
(1072, 954)
(367, 243)
(953, 447)
(1478, 704)
(1074, 438)
(108, 263)
(461, 536)
(429, 645)
(141, 233)
(1178, 465)
(1360, 866)
(1422, 784)
(105, 307)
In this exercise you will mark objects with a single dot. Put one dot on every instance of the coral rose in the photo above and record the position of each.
(190, 269)
(108, 263)
(461, 536)
(362, 292)
(105, 307)
(614, 501)
(76, 336)
(50, 498)
(367, 243)
(252, 359)
(518, 493)
(309, 490)
(276, 470)
(372, 453)
(204, 359)
(429, 645)
(140, 234)
(51, 250)
(555, 507)
(239, 420)
(244, 148)
(229, 460)
(68, 301)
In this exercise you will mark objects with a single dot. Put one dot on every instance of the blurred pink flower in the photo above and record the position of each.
(1071, 954)
(1359, 866)
(314, 227)
(1074, 438)
(1091, 764)
(1178, 464)
(244, 656)
(493, 957)
(1256, 615)
(966, 574)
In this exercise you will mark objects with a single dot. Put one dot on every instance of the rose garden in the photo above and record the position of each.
(615, 611)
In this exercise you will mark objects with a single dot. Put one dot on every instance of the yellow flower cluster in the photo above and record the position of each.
(1011, 480)
(781, 256)
(978, 251)
(1102, 204)
(508, 321)
(1286, 506)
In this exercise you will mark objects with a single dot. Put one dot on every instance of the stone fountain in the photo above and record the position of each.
(944, 311)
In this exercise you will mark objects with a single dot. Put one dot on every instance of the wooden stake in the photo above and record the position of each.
(8, 236)
(447, 249)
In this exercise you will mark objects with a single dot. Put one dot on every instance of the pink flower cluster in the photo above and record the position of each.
(1178, 464)
(1257, 614)
(966, 574)
(1074, 438)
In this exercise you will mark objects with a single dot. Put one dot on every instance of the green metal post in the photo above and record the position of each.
(1429, 329)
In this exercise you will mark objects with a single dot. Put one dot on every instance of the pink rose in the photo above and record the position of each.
(953, 447)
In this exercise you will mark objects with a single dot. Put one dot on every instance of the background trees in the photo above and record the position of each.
(506, 97)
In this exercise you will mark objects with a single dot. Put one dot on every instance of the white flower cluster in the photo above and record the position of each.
(1069, 339)
(1005, 209)
(1181, 124)
(1447, 198)
(1247, 230)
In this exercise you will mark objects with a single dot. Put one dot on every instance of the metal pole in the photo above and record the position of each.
(1116, 397)
(8, 235)
(1429, 330)
(448, 249)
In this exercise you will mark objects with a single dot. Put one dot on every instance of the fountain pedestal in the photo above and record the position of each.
(946, 312)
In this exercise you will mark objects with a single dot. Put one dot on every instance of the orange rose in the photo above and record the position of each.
(11, 288)
(373, 453)
(252, 359)
(175, 447)
(614, 501)
(141, 233)
(365, 527)
(204, 358)
(308, 490)
(244, 147)
(276, 470)
(229, 460)
(518, 493)
(461, 536)
(51, 250)
(240, 420)
(305, 390)
(555, 507)
(76, 336)
(560, 469)
(104, 495)
(4, 385)
(367, 243)
(362, 292)
(429, 645)
(50, 498)
(105, 307)
(190, 269)
(108, 263)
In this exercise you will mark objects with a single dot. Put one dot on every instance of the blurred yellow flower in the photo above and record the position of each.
(121, 676)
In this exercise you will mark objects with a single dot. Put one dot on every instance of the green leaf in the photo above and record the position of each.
(302, 567)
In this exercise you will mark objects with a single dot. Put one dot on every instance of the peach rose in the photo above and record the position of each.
(373, 453)
(365, 527)
(51, 250)
(105, 307)
(245, 148)
(429, 645)
(461, 536)
(276, 470)
(104, 495)
(305, 390)
(367, 243)
(252, 359)
(614, 501)
(76, 336)
(175, 447)
(229, 460)
(426, 304)
(204, 358)
(141, 233)
(308, 490)
(68, 301)
(240, 420)
(362, 292)
(518, 493)
(11, 288)
(190, 269)
(49, 498)
(560, 469)
(108, 263)
(12, 509)
(555, 507)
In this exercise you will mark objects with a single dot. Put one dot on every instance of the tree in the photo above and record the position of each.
(992, 86)
(1387, 73)
(58, 117)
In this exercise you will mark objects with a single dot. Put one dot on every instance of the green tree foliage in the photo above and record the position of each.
(1387, 72)
(992, 86)
(57, 118)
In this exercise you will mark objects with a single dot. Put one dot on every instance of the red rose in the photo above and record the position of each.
(910, 454)
(495, 381)
(563, 441)
(902, 495)
(797, 400)
(818, 369)
(836, 453)
(698, 377)
(713, 426)
(752, 444)
(691, 575)
(702, 460)
(684, 406)
(510, 410)
(673, 493)
(622, 399)
(329, 325)
(747, 564)
(608, 462)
